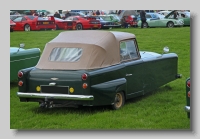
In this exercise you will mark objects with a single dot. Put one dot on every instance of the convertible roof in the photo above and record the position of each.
(100, 49)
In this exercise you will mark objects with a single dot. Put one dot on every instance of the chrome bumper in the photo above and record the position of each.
(55, 96)
(187, 108)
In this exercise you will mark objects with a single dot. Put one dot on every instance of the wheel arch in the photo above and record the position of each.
(27, 24)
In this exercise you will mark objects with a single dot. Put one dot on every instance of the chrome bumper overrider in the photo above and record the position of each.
(187, 108)
(55, 96)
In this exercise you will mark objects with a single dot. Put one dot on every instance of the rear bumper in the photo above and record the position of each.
(187, 108)
(55, 96)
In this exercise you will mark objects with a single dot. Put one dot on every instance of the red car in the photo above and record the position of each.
(12, 25)
(84, 23)
(29, 22)
(131, 20)
(64, 24)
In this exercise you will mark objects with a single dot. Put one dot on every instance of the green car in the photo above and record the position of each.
(187, 107)
(22, 58)
(94, 68)
(158, 21)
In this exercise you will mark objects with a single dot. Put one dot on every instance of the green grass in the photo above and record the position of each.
(160, 109)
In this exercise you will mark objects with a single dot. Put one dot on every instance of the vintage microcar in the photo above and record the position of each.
(94, 68)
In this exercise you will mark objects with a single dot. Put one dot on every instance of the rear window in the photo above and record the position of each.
(65, 54)
(31, 17)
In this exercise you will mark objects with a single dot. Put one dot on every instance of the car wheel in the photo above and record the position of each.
(27, 27)
(145, 25)
(170, 25)
(79, 27)
(57, 28)
(118, 101)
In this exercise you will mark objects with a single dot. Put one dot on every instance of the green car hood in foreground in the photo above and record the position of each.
(22, 58)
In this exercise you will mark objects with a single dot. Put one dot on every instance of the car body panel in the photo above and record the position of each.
(106, 21)
(64, 24)
(161, 22)
(12, 25)
(22, 58)
(115, 64)
(84, 22)
(34, 22)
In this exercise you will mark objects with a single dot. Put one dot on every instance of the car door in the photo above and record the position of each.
(134, 72)
(154, 20)
(20, 22)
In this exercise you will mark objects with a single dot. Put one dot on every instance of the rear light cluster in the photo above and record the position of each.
(188, 85)
(20, 75)
(94, 22)
(84, 77)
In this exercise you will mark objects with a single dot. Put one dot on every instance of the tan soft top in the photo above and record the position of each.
(100, 49)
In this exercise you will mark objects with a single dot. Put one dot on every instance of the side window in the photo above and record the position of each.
(18, 19)
(128, 50)
(23, 19)
(148, 16)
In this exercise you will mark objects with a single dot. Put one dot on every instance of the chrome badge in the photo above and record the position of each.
(54, 78)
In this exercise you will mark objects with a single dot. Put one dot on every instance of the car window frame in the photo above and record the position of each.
(136, 50)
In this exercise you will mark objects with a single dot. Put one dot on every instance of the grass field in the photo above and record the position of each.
(161, 109)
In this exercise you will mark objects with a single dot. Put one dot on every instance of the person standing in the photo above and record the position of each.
(143, 17)
(57, 15)
(67, 14)
(97, 12)
(176, 15)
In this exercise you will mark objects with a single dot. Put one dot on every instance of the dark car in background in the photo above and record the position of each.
(106, 21)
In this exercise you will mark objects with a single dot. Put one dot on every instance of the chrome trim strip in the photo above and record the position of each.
(25, 59)
(187, 108)
(55, 96)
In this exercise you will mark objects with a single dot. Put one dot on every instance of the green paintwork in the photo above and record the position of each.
(147, 75)
(21, 59)
(161, 22)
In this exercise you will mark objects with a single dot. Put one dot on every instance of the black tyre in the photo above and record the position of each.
(145, 25)
(27, 27)
(170, 24)
(57, 28)
(79, 27)
(119, 101)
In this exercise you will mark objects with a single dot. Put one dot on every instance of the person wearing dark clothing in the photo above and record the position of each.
(67, 14)
(175, 15)
(57, 15)
(97, 12)
(143, 17)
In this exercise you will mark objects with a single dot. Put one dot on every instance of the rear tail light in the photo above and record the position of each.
(189, 94)
(20, 83)
(20, 74)
(188, 83)
(84, 76)
(85, 85)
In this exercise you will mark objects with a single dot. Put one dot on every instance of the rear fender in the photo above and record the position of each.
(104, 93)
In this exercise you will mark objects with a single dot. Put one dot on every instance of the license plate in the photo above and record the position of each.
(45, 23)
(95, 25)
(54, 89)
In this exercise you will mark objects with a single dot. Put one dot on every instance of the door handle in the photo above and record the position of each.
(128, 74)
